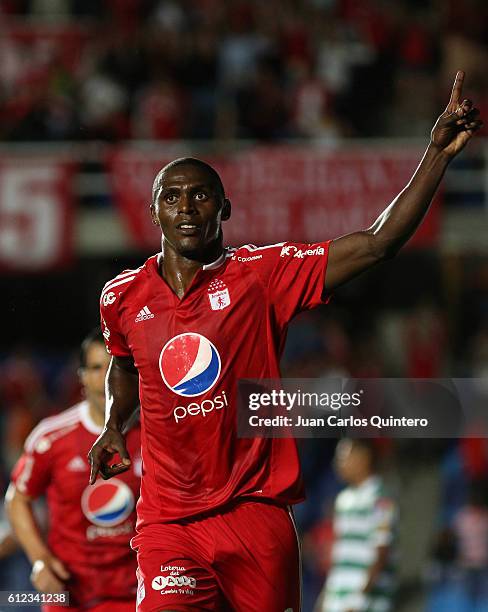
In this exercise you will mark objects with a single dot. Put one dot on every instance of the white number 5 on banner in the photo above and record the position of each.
(34, 214)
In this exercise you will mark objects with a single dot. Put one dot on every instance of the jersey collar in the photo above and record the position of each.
(86, 420)
(371, 482)
(217, 263)
(211, 266)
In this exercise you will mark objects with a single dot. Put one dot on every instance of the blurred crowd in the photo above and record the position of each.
(280, 69)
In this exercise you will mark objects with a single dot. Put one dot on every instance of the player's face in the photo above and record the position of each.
(93, 374)
(190, 209)
(350, 461)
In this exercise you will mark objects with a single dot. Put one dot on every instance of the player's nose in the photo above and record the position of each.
(186, 204)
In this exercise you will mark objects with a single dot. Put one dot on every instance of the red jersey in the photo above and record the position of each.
(89, 526)
(190, 352)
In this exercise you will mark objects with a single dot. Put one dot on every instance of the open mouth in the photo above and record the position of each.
(188, 229)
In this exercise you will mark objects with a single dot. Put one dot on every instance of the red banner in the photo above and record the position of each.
(36, 214)
(281, 193)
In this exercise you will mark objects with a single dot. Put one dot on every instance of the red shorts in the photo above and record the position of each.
(110, 605)
(245, 558)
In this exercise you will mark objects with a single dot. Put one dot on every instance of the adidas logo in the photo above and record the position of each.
(77, 465)
(144, 314)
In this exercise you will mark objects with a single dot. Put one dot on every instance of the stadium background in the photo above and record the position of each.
(87, 87)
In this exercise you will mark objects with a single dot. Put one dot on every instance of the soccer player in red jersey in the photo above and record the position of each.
(214, 531)
(87, 551)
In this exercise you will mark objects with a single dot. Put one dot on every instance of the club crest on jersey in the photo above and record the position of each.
(189, 364)
(218, 294)
(107, 503)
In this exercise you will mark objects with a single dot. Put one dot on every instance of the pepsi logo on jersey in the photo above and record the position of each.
(107, 503)
(203, 408)
(189, 364)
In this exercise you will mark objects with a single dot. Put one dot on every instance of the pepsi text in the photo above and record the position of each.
(201, 408)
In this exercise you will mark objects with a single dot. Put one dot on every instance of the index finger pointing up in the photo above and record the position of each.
(457, 89)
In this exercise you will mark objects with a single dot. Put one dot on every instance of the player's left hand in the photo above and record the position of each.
(109, 442)
(458, 123)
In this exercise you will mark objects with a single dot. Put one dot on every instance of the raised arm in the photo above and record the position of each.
(122, 397)
(354, 253)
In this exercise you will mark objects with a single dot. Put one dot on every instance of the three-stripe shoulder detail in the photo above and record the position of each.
(253, 247)
(121, 279)
(65, 420)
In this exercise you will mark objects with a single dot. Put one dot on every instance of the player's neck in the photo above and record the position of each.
(179, 269)
(97, 415)
(363, 478)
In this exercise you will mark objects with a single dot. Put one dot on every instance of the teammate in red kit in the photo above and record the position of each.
(214, 531)
(87, 551)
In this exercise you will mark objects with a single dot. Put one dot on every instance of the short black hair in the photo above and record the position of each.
(188, 161)
(95, 336)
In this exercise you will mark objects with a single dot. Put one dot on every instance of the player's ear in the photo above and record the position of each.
(226, 210)
(82, 376)
(154, 216)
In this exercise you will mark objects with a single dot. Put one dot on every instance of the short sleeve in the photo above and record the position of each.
(109, 319)
(296, 282)
(383, 525)
(32, 472)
